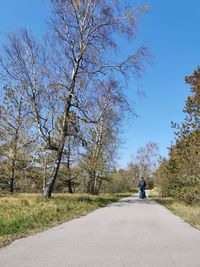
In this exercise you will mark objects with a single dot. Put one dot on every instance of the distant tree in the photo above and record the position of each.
(133, 172)
(99, 155)
(118, 182)
(70, 172)
(14, 133)
(192, 105)
(147, 158)
(102, 137)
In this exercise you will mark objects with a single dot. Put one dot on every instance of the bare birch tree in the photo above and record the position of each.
(102, 140)
(147, 159)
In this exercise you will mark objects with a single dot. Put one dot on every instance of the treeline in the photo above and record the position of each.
(179, 176)
(62, 98)
(144, 164)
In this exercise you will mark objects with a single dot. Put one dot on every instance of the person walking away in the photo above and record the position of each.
(142, 186)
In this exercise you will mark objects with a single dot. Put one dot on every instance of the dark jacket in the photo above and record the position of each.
(142, 184)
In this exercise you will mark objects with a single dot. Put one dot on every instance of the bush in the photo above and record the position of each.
(190, 195)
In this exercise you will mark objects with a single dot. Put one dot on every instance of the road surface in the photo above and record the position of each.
(132, 232)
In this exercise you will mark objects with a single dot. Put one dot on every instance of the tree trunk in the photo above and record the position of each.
(49, 186)
(91, 187)
(99, 186)
(12, 177)
(69, 185)
(94, 184)
(45, 174)
(69, 180)
(13, 161)
(90, 184)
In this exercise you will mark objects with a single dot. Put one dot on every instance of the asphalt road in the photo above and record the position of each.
(131, 232)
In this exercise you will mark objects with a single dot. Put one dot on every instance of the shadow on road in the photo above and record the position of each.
(132, 201)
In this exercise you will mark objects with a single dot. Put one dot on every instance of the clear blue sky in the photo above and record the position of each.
(171, 32)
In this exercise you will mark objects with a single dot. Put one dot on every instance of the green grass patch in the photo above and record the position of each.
(190, 213)
(25, 214)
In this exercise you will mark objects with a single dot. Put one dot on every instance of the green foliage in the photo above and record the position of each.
(150, 183)
(119, 182)
(179, 176)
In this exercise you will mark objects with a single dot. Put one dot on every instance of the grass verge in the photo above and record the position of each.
(190, 213)
(26, 214)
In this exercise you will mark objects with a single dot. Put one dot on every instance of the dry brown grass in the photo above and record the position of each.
(188, 212)
(25, 214)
